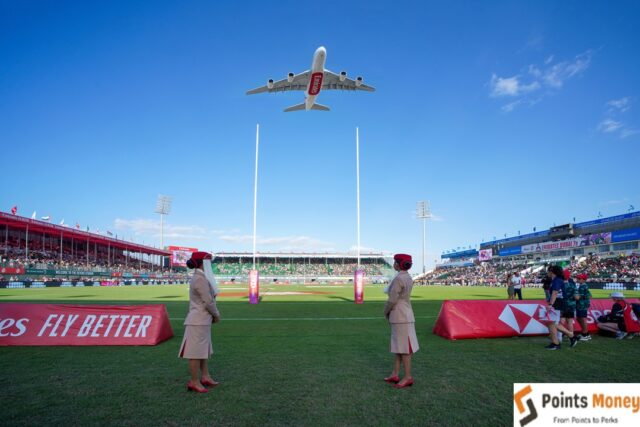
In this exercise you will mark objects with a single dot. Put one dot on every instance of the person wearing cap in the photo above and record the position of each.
(583, 302)
(196, 343)
(399, 313)
(555, 307)
(621, 320)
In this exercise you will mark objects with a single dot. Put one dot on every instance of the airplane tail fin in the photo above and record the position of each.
(301, 107)
(298, 107)
(320, 107)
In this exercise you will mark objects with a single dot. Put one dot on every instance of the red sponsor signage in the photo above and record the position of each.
(500, 318)
(315, 83)
(65, 324)
(358, 286)
(254, 287)
(109, 283)
(11, 270)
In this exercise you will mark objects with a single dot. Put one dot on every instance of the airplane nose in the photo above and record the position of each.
(321, 50)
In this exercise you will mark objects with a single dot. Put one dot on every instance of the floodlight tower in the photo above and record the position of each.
(423, 212)
(163, 207)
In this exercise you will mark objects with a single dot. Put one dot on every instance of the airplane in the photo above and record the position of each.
(312, 82)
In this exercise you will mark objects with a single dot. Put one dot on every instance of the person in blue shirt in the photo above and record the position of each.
(555, 307)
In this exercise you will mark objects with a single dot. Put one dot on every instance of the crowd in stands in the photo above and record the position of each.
(623, 268)
(51, 259)
(41, 259)
(300, 269)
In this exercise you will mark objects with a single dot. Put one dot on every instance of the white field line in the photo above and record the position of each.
(304, 318)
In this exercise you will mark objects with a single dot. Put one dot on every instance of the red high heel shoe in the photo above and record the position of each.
(408, 383)
(209, 383)
(393, 380)
(191, 387)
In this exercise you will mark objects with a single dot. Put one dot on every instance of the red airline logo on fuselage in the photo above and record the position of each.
(316, 83)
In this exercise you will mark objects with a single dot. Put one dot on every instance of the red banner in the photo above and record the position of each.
(11, 270)
(65, 324)
(254, 287)
(358, 286)
(503, 318)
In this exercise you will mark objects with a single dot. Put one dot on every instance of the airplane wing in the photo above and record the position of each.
(299, 82)
(332, 81)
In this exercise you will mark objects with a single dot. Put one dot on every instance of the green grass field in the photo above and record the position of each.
(299, 360)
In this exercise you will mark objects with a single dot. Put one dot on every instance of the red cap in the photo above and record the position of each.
(402, 258)
(582, 276)
(196, 256)
(567, 274)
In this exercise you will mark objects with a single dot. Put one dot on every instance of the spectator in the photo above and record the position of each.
(583, 302)
(517, 285)
(554, 308)
(569, 312)
(621, 320)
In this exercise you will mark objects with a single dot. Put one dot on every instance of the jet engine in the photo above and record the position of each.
(290, 77)
(270, 84)
(358, 81)
(343, 75)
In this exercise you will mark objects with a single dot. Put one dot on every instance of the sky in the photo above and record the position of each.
(504, 115)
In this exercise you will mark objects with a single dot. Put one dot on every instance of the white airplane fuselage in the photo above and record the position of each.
(316, 77)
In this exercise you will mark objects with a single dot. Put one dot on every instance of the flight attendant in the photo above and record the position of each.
(196, 344)
(399, 313)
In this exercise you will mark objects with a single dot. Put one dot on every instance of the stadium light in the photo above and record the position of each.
(163, 207)
(423, 212)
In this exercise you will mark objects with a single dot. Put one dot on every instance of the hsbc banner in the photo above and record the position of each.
(65, 324)
(503, 318)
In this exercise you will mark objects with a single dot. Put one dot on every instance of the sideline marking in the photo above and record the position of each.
(307, 318)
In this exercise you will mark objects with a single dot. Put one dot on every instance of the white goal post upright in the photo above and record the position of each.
(358, 276)
(254, 279)
(358, 192)
(255, 195)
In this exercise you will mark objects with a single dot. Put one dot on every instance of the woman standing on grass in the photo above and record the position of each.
(196, 344)
(399, 313)
(555, 307)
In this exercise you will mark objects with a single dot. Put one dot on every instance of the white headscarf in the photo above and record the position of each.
(386, 288)
(208, 273)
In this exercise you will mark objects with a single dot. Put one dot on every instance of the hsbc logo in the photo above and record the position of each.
(523, 318)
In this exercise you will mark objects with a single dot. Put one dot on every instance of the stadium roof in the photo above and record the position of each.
(580, 226)
(21, 222)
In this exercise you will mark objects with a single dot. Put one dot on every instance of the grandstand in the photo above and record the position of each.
(605, 248)
(37, 253)
(301, 267)
(41, 252)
